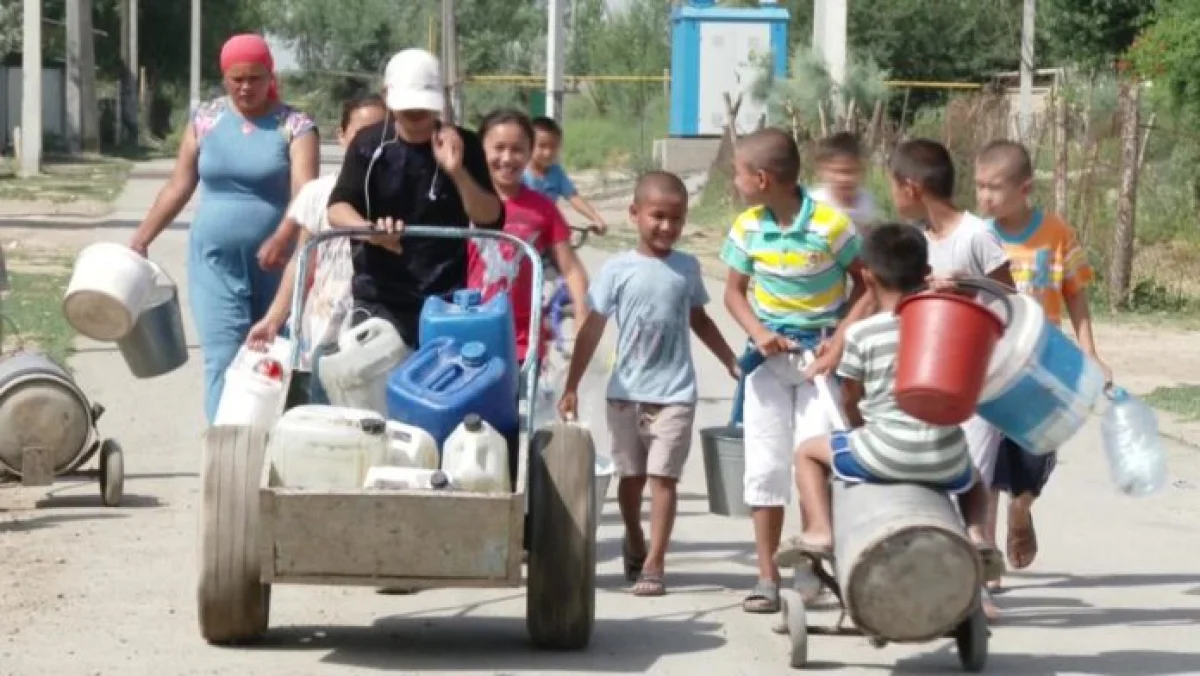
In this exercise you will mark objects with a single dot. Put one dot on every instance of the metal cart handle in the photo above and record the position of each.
(529, 371)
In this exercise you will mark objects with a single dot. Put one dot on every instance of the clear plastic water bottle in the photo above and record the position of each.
(1136, 458)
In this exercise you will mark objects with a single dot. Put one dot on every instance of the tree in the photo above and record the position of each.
(1090, 33)
(1167, 52)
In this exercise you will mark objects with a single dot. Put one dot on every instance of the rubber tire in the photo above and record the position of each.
(971, 638)
(112, 473)
(561, 595)
(234, 605)
(796, 619)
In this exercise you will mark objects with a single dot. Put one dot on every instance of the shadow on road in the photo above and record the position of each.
(1115, 663)
(500, 644)
(78, 223)
(24, 524)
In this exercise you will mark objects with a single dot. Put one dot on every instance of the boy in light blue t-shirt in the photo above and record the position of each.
(657, 296)
(545, 175)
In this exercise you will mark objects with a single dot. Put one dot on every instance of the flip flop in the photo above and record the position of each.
(649, 584)
(633, 562)
(993, 563)
(990, 610)
(763, 599)
(796, 550)
(1022, 543)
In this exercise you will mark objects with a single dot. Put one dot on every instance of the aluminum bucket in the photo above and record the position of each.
(724, 465)
(157, 344)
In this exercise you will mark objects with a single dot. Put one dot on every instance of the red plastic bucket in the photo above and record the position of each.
(946, 343)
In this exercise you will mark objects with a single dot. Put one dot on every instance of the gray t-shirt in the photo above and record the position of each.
(892, 444)
(971, 249)
(651, 299)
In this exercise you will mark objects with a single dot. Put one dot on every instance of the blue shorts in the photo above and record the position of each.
(847, 468)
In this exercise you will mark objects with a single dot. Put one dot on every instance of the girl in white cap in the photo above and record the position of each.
(412, 168)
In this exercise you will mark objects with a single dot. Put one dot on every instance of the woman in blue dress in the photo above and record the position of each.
(249, 153)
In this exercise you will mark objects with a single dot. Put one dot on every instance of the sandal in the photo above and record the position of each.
(649, 584)
(633, 562)
(990, 610)
(1022, 543)
(796, 550)
(993, 563)
(763, 599)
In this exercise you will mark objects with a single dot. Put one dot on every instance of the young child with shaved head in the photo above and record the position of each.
(657, 296)
(1048, 264)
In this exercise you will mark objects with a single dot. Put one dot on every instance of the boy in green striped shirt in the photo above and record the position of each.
(799, 253)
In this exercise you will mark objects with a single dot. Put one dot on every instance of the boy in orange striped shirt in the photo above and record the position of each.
(1049, 265)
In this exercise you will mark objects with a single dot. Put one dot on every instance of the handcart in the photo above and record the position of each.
(256, 533)
(903, 570)
(48, 425)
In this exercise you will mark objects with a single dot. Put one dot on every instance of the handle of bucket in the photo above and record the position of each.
(532, 355)
(825, 394)
(991, 288)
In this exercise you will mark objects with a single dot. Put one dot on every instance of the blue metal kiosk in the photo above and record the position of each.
(718, 50)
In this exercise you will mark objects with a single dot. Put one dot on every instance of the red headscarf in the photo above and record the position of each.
(250, 48)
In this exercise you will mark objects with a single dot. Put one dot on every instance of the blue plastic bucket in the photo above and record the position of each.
(1041, 387)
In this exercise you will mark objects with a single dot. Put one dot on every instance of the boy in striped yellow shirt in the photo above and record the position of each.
(799, 254)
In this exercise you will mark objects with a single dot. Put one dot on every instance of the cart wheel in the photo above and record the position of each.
(234, 604)
(796, 620)
(971, 638)
(112, 473)
(561, 595)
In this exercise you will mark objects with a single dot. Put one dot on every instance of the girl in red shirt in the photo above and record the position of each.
(495, 266)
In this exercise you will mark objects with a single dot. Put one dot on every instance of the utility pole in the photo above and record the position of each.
(453, 106)
(1025, 123)
(31, 88)
(194, 85)
(829, 42)
(555, 58)
(135, 70)
(90, 117)
(74, 73)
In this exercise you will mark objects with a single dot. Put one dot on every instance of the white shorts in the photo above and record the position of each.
(781, 411)
(983, 441)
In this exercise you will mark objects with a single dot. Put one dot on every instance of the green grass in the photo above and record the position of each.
(1182, 400)
(33, 306)
(611, 142)
(66, 180)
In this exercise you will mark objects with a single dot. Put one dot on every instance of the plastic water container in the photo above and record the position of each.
(467, 318)
(410, 446)
(406, 479)
(436, 388)
(1040, 387)
(327, 447)
(1136, 458)
(253, 391)
(356, 374)
(477, 457)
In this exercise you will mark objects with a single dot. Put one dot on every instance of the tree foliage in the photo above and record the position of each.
(1089, 33)
(1167, 54)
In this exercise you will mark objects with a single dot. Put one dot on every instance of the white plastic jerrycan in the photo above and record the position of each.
(355, 375)
(327, 447)
(406, 479)
(410, 446)
(476, 456)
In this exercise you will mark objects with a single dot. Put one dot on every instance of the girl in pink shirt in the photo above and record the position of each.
(496, 266)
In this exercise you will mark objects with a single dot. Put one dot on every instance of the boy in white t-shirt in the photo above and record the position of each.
(960, 245)
(329, 278)
(839, 179)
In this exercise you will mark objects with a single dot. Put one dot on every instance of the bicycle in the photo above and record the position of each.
(558, 307)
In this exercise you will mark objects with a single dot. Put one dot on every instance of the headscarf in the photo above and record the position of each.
(253, 49)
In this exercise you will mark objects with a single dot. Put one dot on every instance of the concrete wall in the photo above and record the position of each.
(54, 109)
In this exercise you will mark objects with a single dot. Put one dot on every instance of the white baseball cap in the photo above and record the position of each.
(413, 81)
